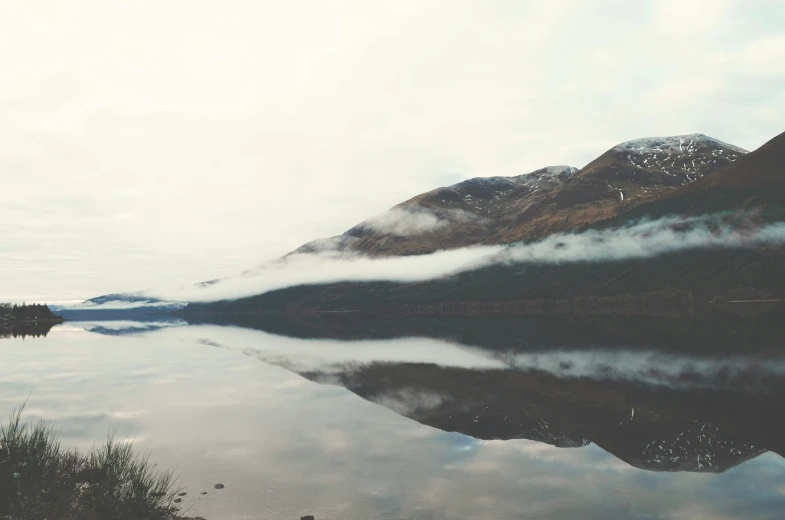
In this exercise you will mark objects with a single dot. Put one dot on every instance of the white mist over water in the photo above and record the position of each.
(639, 239)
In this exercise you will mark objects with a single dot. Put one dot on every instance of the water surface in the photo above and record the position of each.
(416, 428)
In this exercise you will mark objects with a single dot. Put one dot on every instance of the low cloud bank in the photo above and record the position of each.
(640, 239)
(330, 267)
(410, 221)
(646, 239)
(113, 305)
(404, 222)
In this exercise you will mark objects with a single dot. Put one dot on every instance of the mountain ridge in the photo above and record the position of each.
(553, 199)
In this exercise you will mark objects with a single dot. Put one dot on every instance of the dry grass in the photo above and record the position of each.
(40, 479)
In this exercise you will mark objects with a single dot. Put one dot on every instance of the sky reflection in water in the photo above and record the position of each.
(285, 446)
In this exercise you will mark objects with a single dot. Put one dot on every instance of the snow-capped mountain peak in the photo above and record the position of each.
(682, 144)
(686, 157)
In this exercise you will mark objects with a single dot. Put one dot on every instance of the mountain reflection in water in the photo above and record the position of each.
(652, 408)
(548, 426)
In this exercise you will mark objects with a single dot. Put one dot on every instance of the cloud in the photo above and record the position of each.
(404, 222)
(328, 267)
(413, 220)
(639, 239)
(691, 16)
(647, 239)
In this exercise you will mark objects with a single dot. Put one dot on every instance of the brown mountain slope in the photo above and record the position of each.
(626, 176)
(753, 187)
(497, 210)
(466, 213)
(762, 169)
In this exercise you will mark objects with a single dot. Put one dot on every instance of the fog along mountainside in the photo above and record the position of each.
(653, 226)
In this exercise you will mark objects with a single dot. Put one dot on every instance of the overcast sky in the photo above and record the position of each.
(177, 141)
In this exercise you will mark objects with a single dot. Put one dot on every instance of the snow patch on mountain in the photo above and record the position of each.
(675, 144)
(491, 183)
(687, 157)
(501, 184)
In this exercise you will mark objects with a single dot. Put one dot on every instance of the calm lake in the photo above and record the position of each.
(417, 427)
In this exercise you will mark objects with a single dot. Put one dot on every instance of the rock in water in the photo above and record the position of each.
(309, 517)
(218, 486)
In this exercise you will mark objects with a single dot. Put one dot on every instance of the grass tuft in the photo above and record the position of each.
(41, 479)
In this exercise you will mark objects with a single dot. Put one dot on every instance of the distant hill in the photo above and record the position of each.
(128, 306)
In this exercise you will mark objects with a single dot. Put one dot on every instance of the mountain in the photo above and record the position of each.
(626, 176)
(744, 194)
(684, 176)
(755, 183)
(468, 213)
(498, 210)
